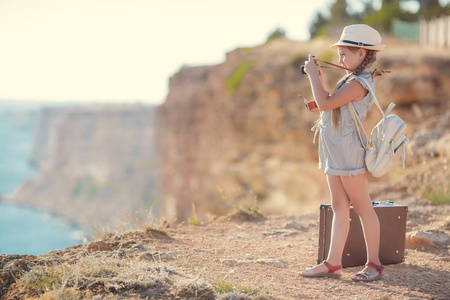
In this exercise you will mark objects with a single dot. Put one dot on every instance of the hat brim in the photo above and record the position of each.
(340, 43)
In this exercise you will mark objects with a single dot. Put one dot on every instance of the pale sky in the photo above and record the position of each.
(125, 50)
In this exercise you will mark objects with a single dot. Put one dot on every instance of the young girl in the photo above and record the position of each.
(340, 152)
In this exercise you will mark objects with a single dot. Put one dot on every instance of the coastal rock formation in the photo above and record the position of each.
(93, 162)
(231, 134)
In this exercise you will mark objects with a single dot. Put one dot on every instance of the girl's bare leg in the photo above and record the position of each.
(357, 189)
(341, 208)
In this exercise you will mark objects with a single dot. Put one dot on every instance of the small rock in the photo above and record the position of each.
(279, 263)
(241, 235)
(101, 246)
(121, 254)
(229, 262)
(159, 256)
(280, 232)
(426, 239)
(139, 247)
(332, 286)
(249, 256)
(295, 225)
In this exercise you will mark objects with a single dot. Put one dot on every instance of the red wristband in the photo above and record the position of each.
(311, 105)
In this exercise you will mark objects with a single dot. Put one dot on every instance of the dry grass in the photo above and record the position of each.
(100, 273)
(130, 222)
(103, 269)
(224, 287)
(194, 220)
(106, 277)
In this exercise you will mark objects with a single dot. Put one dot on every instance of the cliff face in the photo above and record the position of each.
(238, 131)
(94, 161)
(228, 134)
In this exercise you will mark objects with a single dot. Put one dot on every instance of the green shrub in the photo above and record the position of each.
(328, 55)
(382, 19)
(223, 286)
(277, 33)
(177, 73)
(44, 279)
(234, 81)
(438, 194)
(299, 60)
(322, 31)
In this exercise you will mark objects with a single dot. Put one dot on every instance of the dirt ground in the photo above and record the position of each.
(241, 255)
(268, 253)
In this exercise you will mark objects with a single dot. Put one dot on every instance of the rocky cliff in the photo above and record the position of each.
(238, 131)
(93, 162)
(235, 133)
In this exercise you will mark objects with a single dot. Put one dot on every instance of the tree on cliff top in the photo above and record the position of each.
(342, 14)
(277, 33)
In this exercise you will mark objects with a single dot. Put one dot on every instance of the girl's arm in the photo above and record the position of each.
(353, 91)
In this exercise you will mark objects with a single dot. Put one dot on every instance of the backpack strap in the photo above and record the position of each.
(358, 124)
(390, 107)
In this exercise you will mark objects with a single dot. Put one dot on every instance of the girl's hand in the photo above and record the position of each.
(311, 67)
(305, 101)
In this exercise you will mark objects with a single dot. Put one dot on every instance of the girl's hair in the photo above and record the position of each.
(367, 61)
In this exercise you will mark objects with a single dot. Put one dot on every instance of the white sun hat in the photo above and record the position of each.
(360, 35)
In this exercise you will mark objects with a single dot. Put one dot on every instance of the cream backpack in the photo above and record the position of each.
(387, 140)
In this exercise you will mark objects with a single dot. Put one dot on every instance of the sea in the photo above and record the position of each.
(25, 230)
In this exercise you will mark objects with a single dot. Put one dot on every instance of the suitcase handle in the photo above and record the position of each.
(387, 202)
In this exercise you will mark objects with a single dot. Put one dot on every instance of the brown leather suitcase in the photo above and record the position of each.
(392, 235)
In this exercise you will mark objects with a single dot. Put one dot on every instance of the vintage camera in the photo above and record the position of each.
(302, 67)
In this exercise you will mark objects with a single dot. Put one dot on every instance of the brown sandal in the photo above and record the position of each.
(365, 276)
(310, 273)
